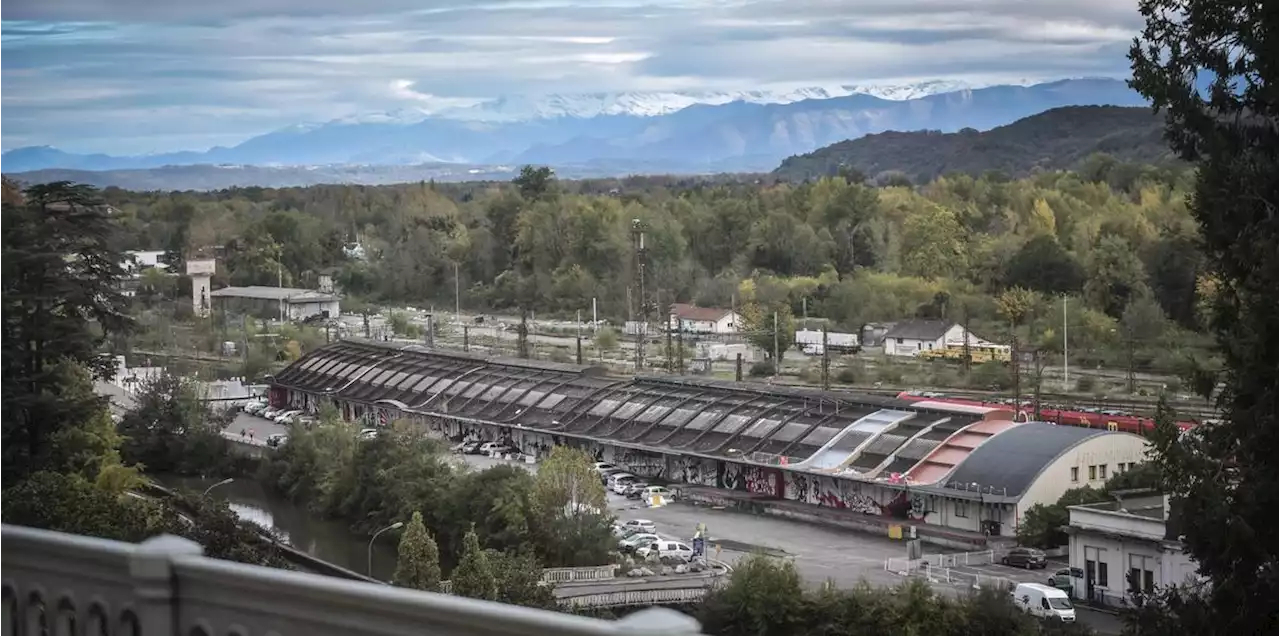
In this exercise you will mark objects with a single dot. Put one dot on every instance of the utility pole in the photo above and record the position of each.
(1017, 378)
(1066, 376)
(826, 362)
(680, 347)
(578, 324)
(466, 337)
(737, 368)
(671, 361)
(1133, 381)
(595, 317)
(522, 334)
(641, 254)
(777, 359)
(968, 352)
(457, 296)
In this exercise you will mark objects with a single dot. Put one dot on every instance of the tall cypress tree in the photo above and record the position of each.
(418, 562)
(474, 577)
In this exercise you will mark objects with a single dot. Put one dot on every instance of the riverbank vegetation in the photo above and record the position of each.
(403, 472)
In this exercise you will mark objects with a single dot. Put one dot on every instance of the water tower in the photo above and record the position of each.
(201, 272)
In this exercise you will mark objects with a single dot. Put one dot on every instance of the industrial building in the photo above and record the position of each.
(963, 468)
(276, 302)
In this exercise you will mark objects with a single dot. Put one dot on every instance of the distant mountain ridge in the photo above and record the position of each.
(1055, 139)
(739, 135)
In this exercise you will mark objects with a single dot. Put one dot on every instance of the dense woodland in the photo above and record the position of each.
(1058, 139)
(1116, 238)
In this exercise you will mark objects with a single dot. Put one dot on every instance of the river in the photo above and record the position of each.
(327, 539)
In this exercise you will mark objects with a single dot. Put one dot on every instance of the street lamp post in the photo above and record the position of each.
(395, 526)
(221, 483)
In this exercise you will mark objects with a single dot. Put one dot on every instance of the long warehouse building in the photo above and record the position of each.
(955, 467)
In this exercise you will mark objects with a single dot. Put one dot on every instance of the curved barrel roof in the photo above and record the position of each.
(749, 422)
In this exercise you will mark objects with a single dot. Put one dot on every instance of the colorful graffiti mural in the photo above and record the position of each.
(728, 475)
(867, 499)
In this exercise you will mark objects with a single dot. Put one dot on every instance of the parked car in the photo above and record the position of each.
(275, 440)
(636, 541)
(368, 433)
(603, 466)
(1062, 578)
(253, 406)
(1043, 601)
(283, 417)
(609, 472)
(632, 491)
(642, 524)
(269, 412)
(1025, 558)
(473, 448)
(648, 492)
(666, 549)
(618, 483)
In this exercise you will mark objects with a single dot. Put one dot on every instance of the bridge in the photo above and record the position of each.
(63, 583)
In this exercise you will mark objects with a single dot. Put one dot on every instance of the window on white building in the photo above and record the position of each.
(1102, 471)
(1142, 577)
(1093, 473)
(1075, 474)
(962, 509)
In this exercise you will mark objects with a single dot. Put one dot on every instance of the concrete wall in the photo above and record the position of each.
(1167, 563)
(1055, 479)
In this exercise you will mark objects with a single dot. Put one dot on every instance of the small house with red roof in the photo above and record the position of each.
(708, 320)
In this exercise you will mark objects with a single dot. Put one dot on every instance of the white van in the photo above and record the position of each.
(1042, 601)
(666, 549)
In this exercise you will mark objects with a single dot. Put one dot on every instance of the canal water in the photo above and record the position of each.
(327, 539)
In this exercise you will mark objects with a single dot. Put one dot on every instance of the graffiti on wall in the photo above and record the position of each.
(847, 494)
(641, 463)
(755, 479)
(697, 471)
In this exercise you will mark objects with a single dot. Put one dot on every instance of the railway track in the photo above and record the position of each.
(1196, 408)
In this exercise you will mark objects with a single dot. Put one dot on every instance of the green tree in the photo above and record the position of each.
(171, 429)
(763, 331)
(606, 340)
(61, 303)
(1042, 524)
(1044, 266)
(418, 560)
(519, 580)
(763, 596)
(474, 577)
(535, 182)
(933, 243)
(568, 484)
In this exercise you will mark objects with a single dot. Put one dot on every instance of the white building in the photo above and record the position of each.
(138, 260)
(272, 302)
(702, 320)
(910, 337)
(1127, 544)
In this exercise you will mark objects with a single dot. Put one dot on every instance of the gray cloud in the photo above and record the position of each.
(135, 75)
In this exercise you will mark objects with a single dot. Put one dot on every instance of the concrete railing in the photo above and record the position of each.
(621, 598)
(69, 584)
(574, 575)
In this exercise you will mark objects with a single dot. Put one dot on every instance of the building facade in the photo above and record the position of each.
(949, 467)
(277, 302)
(702, 320)
(1127, 545)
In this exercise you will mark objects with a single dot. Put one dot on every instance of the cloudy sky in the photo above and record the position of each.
(138, 76)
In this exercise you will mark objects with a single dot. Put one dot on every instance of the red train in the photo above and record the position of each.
(1108, 419)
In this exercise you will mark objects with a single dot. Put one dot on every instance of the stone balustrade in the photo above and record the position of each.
(63, 584)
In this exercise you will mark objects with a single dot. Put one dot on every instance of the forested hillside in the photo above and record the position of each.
(1061, 138)
(1116, 235)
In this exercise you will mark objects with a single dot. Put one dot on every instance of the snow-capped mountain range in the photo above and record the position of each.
(642, 104)
(633, 132)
